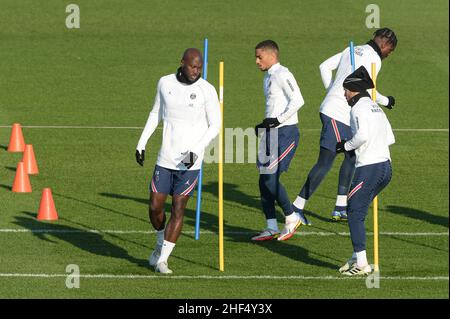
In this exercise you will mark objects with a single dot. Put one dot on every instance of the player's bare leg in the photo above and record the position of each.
(172, 232)
(175, 224)
(156, 210)
(158, 220)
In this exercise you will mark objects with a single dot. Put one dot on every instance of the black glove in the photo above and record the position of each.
(271, 122)
(189, 159)
(391, 103)
(140, 157)
(340, 146)
(257, 127)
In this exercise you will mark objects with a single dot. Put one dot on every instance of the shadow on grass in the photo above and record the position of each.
(110, 210)
(94, 243)
(419, 214)
(4, 147)
(241, 234)
(235, 233)
(418, 244)
(6, 187)
(118, 196)
(327, 219)
(233, 194)
(10, 168)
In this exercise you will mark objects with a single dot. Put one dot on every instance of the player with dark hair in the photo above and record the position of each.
(268, 45)
(279, 139)
(335, 117)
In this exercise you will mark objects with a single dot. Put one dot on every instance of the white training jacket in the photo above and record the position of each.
(372, 133)
(191, 120)
(335, 105)
(283, 96)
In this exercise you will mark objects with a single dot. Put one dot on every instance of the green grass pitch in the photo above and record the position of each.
(105, 74)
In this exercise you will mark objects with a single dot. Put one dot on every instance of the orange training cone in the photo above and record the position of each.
(16, 142)
(47, 209)
(21, 181)
(29, 160)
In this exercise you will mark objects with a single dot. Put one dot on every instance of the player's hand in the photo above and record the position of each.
(271, 122)
(268, 123)
(257, 127)
(391, 103)
(340, 146)
(189, 159)
(140, 157)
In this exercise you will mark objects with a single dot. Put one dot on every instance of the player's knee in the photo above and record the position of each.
(156, 207)
(178, 207)
(356, 215)
(177, 214)
(326, 158)
(270, 182)
(351, 160)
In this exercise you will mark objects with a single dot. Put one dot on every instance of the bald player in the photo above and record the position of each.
(189, 108)
(335, 117)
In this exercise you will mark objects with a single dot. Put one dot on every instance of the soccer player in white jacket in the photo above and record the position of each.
(335, 117)
(372, 135)
(189, 108)
(279, 140)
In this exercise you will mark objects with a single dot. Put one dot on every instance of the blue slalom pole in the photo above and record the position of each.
(200, 178)
(205, 59)
(352, 56)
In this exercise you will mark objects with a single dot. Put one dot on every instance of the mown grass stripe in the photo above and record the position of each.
(206, 232)
(232, 277)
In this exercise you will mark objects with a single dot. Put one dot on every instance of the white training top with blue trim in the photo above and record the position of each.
(335, 105)
(372, 133)
(283, 96)
(191, 120)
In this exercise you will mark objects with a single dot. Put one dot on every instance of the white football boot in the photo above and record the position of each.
(290, 227)
(163, 268)
(358, 271)
(349, 264)
(267, 234)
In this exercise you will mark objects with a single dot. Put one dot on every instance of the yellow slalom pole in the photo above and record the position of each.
(221, 256)
(375, 200)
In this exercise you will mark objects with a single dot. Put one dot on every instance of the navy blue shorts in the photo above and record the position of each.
(174, 182)
(332, 132)
(277, 148)
(368, 182)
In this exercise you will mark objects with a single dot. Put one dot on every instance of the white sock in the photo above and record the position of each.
(300, 202)
(354, 255)
(341, 200)
(361, 259)
(272, 224)
(166, 250)
(292, 218)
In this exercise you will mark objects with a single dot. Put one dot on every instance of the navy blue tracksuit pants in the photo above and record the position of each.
(368, 182)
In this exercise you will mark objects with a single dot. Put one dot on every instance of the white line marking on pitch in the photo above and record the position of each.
(140, 128)
(110, 276)
(205, 232)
